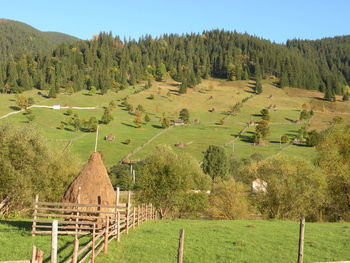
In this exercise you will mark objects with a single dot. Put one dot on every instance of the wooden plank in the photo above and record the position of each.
(54, 237)
(70, 222)
(75, 250)
(74, 210)
(33, 254)
(105, 245)
(68, 216)
(79, 205)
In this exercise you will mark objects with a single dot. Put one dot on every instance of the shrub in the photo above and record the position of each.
(228, 200)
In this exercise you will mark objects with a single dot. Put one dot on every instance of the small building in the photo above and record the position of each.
(212, 110)
(259, 186)
(56, 107)
(110, 137)
(196, 121)
(178, 122)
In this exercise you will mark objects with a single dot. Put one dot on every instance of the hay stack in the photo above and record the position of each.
(95, 185)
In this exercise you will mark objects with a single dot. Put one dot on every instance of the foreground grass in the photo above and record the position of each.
(231, 241)
(205, 241)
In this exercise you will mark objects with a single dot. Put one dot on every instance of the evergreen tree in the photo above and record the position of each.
(215, 162)
(258, 87)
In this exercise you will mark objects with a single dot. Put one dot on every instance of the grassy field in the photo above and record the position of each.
(205, 241)
(217, 94)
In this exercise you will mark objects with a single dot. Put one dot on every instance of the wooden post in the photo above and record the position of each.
(39, 256)
(35, 212)
(138, 215)
(127, 214)
(77, 219)
(301, 240)
(117, 195)
(118, 226)
(33, 254)
(105, 245)
(54, 237)
(75, 250)
(180, 253)
(151, 213)
(93, 244)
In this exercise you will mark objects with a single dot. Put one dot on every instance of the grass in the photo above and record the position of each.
(197, 137)
(205, 241)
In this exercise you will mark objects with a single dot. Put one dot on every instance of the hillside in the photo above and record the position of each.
(218, 94)
(108, 63)
(18, 38)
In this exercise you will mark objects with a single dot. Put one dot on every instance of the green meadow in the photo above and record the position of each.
(219, 95)
(205, 241)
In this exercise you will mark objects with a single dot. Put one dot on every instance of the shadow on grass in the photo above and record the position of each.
(157, 126)
(15, 108)
(128, 125)
(24, 225)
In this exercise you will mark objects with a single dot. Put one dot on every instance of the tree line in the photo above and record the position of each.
(107, 62)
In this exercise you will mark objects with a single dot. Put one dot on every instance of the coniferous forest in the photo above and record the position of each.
(107, 62)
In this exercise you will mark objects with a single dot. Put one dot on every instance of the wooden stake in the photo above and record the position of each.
(301, 240)
(77, 219)
(105, 245)
(96, 138)
(138, 215)
(127, 214)
(33, 254)
(118, 226)
(117, 195)
(54, 237)
(75, 250)
(39, 256)
(93, 244)
(35, 212)
(134, 218)
(180, 253)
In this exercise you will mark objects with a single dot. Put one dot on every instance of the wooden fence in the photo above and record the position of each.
(101, 223)
(78, 218)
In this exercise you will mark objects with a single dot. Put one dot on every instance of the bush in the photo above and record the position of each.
(228, 200)
(28, 167)
(166, 179)
(295, 188)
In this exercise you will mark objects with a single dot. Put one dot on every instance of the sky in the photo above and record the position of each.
(270, 19)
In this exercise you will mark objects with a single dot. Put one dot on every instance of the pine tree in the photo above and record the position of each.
(258, 87)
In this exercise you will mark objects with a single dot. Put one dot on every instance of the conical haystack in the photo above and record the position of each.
(94, 183)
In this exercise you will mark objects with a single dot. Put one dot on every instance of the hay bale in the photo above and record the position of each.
(94, 183)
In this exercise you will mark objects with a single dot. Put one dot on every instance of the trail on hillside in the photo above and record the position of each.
(48, 107)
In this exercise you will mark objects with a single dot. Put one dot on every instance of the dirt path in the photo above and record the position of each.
(146, 143)
(48, 107)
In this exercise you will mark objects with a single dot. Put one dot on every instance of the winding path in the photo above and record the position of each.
(48, 107)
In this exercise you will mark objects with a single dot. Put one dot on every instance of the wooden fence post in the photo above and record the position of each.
(75, 250)
(152, 212)
(77, 219)
(35, 212)
(180, 253)
(105, 245)
(301, 240)
(116, 208)
(54, 237)
(39, 256)
(133, 218)
(93, 244)
(33, 254)
(118, 226)
(138, 215)
(127, 214)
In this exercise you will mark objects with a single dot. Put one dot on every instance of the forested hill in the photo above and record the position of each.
(107, 62)
(17, 38)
